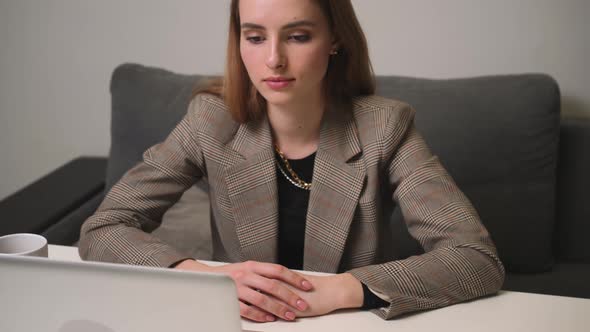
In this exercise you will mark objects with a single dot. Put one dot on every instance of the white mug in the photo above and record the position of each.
(23, 244)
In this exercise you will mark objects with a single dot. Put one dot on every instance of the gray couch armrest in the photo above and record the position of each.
(66, 231)
(573, 192)
(47, 201)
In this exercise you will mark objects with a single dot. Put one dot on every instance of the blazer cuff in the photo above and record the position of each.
(371, 300)
(366, 276)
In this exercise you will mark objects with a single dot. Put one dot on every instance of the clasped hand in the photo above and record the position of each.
(267, 290)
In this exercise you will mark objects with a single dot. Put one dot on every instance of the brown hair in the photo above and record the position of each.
(349, 72)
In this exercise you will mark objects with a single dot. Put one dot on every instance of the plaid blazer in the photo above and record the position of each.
(366, 156)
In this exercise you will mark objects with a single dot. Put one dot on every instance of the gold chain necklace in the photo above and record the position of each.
(296, 179)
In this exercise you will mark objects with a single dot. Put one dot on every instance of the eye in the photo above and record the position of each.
(255, 39)
(299, 38)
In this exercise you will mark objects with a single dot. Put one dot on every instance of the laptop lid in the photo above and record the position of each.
(38, 294)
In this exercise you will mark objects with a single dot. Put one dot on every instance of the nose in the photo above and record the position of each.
(275, 58)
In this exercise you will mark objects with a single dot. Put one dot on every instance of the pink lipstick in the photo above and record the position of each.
(278, 83)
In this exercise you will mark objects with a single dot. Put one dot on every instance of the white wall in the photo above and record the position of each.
(56, 58)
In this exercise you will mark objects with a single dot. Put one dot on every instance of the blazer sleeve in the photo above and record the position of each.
(119, 230)
(460, 260)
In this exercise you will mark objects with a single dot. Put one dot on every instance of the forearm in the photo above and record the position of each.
(119, 230)
(117, 242)
(435, 279)
(192, 265)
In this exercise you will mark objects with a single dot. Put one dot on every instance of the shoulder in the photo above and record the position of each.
(382, 124)
(208, 115)
(382, 113)
(374, 103)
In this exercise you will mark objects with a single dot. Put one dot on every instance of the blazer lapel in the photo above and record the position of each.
(337, 182)
(336, 185)
(252, 189)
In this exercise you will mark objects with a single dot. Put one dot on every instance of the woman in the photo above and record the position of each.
(299, 156)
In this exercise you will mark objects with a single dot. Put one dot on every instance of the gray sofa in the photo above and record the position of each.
(501, 137)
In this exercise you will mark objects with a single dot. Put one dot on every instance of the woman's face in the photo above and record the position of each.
(285, 46)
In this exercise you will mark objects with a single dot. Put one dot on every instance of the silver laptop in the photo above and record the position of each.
(38, 294)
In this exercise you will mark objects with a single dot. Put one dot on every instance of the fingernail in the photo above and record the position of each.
(301, 305)
(306, 284)
(270, 318)
(290, 315)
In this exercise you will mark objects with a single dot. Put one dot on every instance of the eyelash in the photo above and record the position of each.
(297, 38)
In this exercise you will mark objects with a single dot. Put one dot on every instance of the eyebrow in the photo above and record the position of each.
(291, 25)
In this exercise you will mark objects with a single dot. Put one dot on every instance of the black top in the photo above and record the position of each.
(293, 203)
(293, 212)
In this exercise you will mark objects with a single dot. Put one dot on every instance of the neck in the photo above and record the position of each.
(296, 128)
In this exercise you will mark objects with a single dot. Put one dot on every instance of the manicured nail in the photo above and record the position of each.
(301, 305)
(290, 315)
(270, 318)
(306, 284)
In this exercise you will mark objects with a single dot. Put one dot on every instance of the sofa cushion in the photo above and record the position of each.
(147, 103)
(566, 279)
(573, 198)
(186, 225)
(498, 137)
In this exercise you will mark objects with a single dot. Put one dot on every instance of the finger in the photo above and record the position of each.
(266, 303)
(252, 313)
(278, 289)
(280, 272)
(298, 313)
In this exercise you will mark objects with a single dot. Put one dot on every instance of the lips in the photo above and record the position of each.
(278, 83)
(278, 79)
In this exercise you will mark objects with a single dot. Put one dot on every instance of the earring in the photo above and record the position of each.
(333, 52)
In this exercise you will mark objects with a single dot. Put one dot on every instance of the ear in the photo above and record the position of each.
(335, 46)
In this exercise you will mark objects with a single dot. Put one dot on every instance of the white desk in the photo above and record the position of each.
(507, 311)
